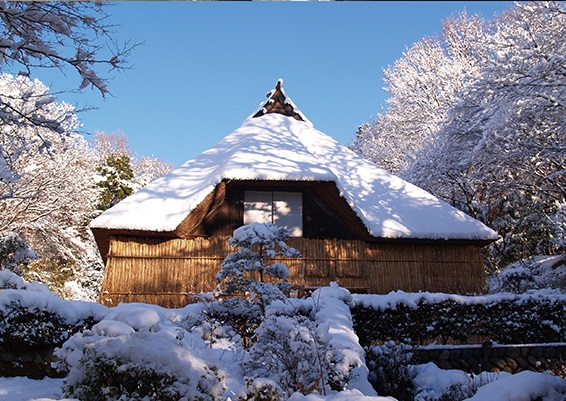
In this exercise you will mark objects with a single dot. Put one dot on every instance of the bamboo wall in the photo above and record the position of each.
(169, 271)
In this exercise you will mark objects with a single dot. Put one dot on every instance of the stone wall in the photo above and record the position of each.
(494, 357)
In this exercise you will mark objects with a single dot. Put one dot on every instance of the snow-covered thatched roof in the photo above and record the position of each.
(279, 143)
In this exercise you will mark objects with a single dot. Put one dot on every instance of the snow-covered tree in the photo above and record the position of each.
(500, 155)
(47, 192)
(54, 35)
(31, 121)
(422, 85)
(63, 35)
(249, 270)
(296, 354)
(147, 169)
(476, 116)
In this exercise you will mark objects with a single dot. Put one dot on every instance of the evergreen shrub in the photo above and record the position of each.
(35, 328)
(507, 320)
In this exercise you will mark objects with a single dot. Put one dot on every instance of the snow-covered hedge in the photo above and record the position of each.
(538, 317)
(32, 317)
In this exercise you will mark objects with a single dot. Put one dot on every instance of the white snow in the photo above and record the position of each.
(523, 386)
(431, 382)
(40, 300)
(332, 310)
(411, 299)
(24, 389)
(277, 147)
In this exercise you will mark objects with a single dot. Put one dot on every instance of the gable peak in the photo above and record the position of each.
(278, 102)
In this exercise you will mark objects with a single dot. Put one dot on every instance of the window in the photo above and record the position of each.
(284, 209)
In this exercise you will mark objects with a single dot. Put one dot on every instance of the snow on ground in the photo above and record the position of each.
(524, 386)
(24, 389)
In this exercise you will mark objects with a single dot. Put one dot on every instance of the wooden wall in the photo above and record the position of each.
(169, 272)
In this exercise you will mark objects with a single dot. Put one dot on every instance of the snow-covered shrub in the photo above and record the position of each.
(389, 366)
(15, 253)
(108, 378)
(36, 327)
(33, 317)
(249, 271)
(296, 353)
(135, 354)
(530, 274)
(516, 279)
(242, 316)
(11, 281)
(524, 385)
(430, 383)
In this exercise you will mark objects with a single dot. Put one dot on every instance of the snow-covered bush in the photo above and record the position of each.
(531, 274)
(249, 271)
(11, 281)
(35, 327)
(430, 383)
(242, 316)
(296, 353)
(524, 385)
(262, 389)
(107, 378)
(389, 366)
(134, 354)
(33, 317)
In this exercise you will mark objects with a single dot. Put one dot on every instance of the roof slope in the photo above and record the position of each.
(272, 146)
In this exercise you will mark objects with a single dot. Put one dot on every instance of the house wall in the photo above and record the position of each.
(169, 272)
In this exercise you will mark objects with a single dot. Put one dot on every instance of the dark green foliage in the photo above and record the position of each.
(389, 370)
(36, 329)
(506, 320)
(108, 379)
(15, 253)
(241, 315)
(118, 180)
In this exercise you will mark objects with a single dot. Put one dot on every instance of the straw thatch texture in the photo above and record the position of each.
(169, 272)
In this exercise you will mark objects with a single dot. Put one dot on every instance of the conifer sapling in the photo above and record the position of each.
(248, 269)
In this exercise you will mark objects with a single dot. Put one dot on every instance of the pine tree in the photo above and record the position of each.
(116, 181)
(249, 270)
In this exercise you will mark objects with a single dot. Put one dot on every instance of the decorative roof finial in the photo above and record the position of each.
(278, 102)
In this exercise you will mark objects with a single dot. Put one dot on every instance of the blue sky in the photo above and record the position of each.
(205, 67)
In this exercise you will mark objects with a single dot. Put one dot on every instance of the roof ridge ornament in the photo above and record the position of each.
(278, 102)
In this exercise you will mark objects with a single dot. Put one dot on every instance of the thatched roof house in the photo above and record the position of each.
(354, 222)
